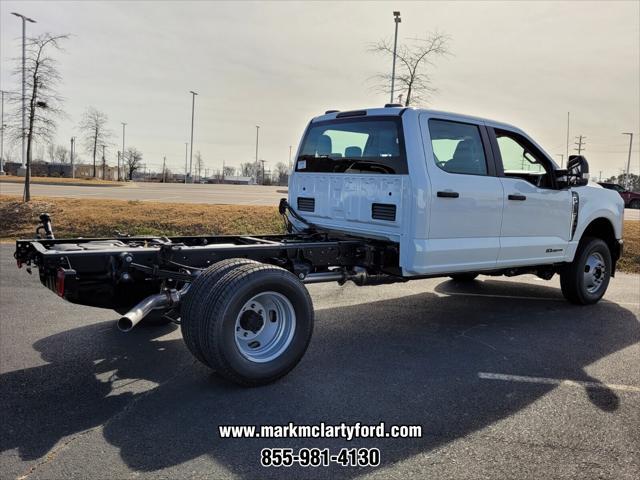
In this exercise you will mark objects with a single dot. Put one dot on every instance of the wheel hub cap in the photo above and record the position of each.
(594, 272)
(265, 327)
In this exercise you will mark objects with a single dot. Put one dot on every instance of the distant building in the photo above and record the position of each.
(234, 180)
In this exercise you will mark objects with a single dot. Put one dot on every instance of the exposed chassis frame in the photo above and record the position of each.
(128, 269)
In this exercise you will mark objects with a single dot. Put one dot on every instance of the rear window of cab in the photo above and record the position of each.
(354, 145)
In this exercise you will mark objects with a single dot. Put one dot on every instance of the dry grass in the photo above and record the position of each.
(61, 180)
(630, 261)
(101, 218)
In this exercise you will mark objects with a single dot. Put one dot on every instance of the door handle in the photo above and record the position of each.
(448, 194)
(517, 197)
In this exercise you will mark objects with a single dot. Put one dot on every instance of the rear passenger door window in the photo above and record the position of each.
(457, 147)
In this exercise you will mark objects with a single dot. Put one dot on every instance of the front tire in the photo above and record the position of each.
(254, 324)
(585, 280)
(635, 203)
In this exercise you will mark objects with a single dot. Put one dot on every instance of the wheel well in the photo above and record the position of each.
(603, 229)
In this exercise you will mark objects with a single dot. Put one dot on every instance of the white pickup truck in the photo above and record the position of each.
(377, 196)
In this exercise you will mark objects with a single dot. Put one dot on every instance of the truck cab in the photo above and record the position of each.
(456, 193)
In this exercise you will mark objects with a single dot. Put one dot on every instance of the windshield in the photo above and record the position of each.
(371, 145)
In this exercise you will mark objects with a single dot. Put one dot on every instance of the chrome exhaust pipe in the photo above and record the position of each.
(142, 309)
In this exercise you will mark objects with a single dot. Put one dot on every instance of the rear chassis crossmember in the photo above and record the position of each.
(117, 273)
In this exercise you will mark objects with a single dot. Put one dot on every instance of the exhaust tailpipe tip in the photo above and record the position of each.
(125, 324)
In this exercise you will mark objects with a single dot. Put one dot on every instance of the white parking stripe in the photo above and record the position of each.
(523, 297)
(557, 381)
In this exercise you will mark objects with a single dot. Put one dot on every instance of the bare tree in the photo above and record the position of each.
(413, 59)
(95, 133)
(281, 173)
(62, 154)
(43, 104)
(51, 152)
(248, 169)
(132, 161)
(229, 171)
(199, 164)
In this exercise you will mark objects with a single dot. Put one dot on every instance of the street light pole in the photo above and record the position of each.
(123, 125)
(397, 20)
(193, 106)
(24, 95)
(626, 178)
(257, 136)
(2, 92)
(561, 155)
(73, 167)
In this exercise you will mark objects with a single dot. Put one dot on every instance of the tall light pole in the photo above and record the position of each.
(123, 125)
(2, 92)
(257, 136)
(24, 95)
(397, 20)
(626, 178)
(186, 148)
(73, 147)
(193, 106)
(290, 147)
(561, 155)
(567, 152)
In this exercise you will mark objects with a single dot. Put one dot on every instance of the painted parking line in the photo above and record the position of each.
(524, 297)
(557, 381)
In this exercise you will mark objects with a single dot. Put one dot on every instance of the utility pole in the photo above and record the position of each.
(104, 164)
(164, 174)
(257, 135)
(290, 147)
(193, 107)
(397, 20)
(23, 169)
(123, 125)
(567, 152)
(600, 176)
(580, 143)
(626, 177)
(2, 125)
(186, 147)
(561, 155)
(71, 154)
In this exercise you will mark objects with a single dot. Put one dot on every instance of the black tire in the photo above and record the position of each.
(218, 310)
(572, 276)
(635, 203)
(463, 277)
(189, 325)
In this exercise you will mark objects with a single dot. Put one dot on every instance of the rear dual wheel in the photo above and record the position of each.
(250, 322)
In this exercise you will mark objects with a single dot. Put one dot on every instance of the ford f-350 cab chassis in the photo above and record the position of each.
(376, 196)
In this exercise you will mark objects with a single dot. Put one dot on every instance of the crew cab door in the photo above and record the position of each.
(466, 197)
(536, 220)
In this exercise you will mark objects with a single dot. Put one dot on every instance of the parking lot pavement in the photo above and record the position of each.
(161, 192)
(506, 379)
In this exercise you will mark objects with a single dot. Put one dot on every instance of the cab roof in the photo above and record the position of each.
(395, 111)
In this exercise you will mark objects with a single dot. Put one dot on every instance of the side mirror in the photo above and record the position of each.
(577, 170)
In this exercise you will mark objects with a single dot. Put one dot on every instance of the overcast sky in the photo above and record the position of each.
(278, 64)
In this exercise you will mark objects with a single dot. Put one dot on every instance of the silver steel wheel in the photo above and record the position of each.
(265, 327)
(595, 271)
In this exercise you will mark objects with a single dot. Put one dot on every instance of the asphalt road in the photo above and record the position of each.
(161, 192)
(480, 367)
(179, 193)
